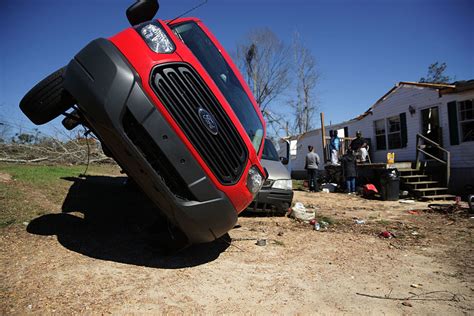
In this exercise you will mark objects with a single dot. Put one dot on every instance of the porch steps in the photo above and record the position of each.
(422, 186)
(414, 178)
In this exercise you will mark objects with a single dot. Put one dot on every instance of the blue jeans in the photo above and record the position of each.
(351, 184)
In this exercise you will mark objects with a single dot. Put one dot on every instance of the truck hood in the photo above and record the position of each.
(276, 170)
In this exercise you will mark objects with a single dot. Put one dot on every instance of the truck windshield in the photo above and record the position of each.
(269, 151)
(216, 66)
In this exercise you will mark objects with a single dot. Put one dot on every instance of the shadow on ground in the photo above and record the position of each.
(105, 219)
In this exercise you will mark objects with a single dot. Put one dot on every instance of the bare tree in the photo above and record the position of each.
(436, 74)
(304, 106)
(263, 59)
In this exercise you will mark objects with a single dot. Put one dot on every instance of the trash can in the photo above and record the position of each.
(390, 185)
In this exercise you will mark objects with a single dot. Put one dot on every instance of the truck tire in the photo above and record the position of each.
(47, 100)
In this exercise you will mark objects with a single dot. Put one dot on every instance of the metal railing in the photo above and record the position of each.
(420, 148)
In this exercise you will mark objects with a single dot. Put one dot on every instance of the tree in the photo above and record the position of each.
(304, 107)
(436, 74)
(263, 59)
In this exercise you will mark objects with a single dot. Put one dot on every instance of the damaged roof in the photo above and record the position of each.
(443, 88)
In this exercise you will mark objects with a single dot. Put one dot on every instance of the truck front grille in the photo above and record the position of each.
(183, 93)
(155, 157)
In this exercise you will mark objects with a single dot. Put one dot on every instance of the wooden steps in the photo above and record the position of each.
(422, 186)
(413, 178)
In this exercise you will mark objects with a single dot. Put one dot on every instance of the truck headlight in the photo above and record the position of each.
(254, 180)
(283, 184)
(156, 38)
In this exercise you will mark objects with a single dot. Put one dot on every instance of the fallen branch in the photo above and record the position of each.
(23, 160)
(416, 297)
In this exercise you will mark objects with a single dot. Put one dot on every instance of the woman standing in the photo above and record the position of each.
(349, 170)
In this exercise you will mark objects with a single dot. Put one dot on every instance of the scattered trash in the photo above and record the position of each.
(445, 208)
(404, 193)
(331, 187)
(407, 304)
(415, 233)
(317, 226)
(369, 190)
(30, 306)
(25, 223)
(312, 222)
(325, 190)
(418, 285)
(413, 212)
(300, 212)
(386, 234)
(261, 242)
(323, 224)
(359, 221)
(407, 201)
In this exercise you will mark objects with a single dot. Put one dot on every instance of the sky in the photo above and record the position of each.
(362, 48)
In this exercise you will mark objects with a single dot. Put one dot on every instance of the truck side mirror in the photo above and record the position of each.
(284, 160)
(142, 11)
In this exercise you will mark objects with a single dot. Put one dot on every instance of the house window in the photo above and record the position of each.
(466, 120)
(380, 142)
(394, 132)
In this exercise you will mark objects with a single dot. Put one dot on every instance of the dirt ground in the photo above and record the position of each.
(97, 253)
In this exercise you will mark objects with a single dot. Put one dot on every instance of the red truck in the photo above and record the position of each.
(169, 105)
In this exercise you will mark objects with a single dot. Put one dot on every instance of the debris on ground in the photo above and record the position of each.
(457, 207)
(330, 187)
(413, 212)
(300, 212)
(261, 242)
(416, 285)
(407, 304)
(386, 234)
(369, 190)
(359, 221)
(407, 201)
(317, 226)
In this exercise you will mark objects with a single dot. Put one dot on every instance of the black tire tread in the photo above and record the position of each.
(47, 100)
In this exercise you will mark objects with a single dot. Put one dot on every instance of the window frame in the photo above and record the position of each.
(399, 132)
(387, 133)
(461, 121)
(380, 134)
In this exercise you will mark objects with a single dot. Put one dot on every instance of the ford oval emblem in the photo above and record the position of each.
(208, 120)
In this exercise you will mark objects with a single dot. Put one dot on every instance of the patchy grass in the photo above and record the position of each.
(298, 185)
(37, 189)
(279, 243)
(384, 222)
(327, 219)
(38, 175)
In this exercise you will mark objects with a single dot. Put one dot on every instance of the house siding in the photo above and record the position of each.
(399, 101)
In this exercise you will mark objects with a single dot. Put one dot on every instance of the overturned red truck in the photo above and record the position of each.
(169, 105)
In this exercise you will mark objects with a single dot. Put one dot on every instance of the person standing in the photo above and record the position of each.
(311, 166)
(334, 148)
(359, 146)
(349, 170)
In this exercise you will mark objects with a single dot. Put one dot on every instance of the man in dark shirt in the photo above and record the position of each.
(312, 165)
(359, 146)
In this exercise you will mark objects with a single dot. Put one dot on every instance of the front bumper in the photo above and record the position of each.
(268, 199)
(110, 95)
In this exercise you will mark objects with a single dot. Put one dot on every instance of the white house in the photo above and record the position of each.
(443, 113)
